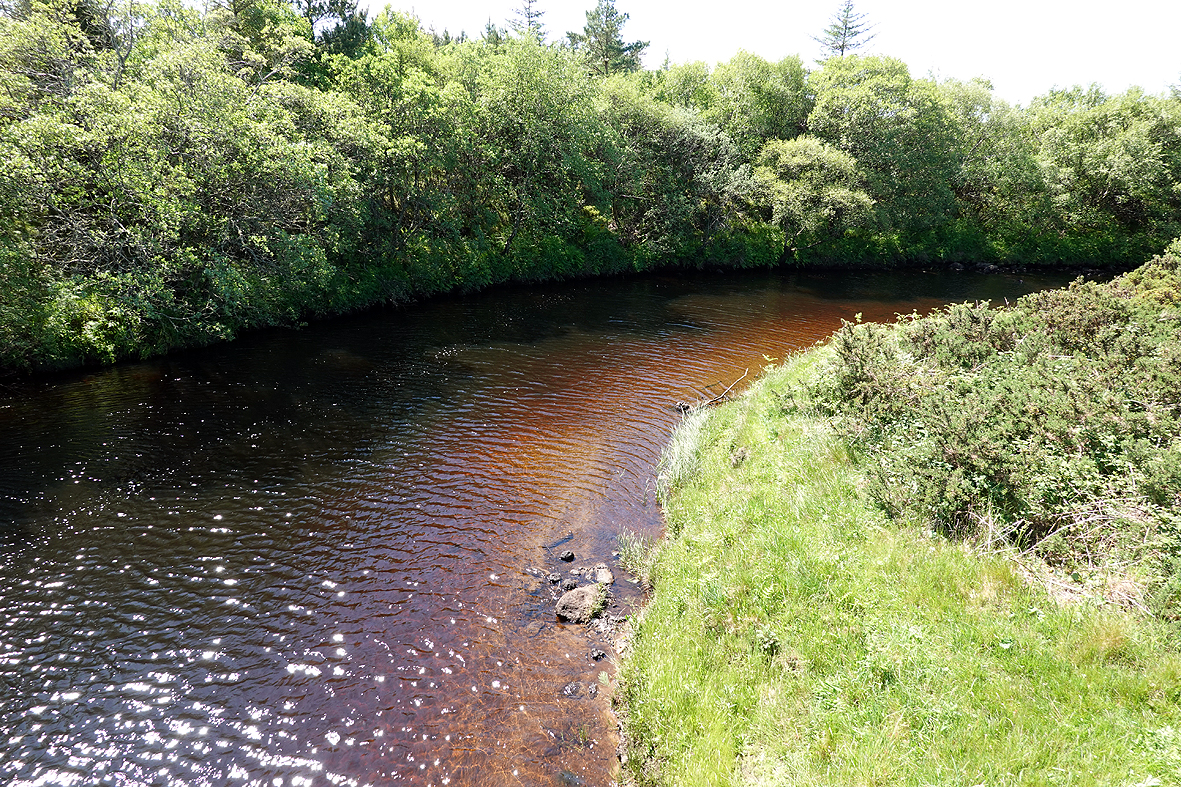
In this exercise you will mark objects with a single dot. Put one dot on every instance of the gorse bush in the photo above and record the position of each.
(796, 635)
(1054, 422)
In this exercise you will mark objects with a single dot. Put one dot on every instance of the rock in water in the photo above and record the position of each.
(603, 575)
(567, 556)
(580, 605)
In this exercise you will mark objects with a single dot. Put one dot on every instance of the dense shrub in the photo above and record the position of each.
(1054, 422)
(173, 176)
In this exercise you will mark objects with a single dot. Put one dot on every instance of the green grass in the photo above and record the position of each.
(797, 636)
(637, 555)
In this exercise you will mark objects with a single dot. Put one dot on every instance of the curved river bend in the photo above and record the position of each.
(320, 557)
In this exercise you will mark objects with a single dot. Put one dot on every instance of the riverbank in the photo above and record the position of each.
(797, 634)
(315, 178)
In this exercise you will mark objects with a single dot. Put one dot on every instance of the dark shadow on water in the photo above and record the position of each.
(329, 548)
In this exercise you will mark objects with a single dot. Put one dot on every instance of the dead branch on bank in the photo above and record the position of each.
(707, 396)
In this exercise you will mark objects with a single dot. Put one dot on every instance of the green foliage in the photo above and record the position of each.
(261, 39)
(1000, 188)
(601, 42)
(24, 294)
(174, 176)
(1112, 161)
(755, 101)
(796, 636)
(1051, 424)
(898, 129)
(687, 85)
(675, 178)
(176, 209)
(536, 102)
(813, 191)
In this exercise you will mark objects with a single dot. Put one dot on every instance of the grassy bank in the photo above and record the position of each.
(799, 634)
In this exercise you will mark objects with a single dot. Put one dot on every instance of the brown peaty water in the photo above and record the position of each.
(320, 557)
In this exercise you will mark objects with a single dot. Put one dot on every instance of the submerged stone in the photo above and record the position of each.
(603, 575)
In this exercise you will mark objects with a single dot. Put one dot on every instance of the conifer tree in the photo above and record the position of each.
(601, 41)
(527, 20)
(493, 35)
(846, 33)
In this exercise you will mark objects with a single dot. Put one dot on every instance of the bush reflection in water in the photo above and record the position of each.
(318, 557)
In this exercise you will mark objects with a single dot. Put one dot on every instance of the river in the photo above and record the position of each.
(320, 557)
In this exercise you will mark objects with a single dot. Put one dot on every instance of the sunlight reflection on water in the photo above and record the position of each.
(321, 557)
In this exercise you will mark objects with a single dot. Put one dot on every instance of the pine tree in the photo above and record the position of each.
(846, 33)
(314, 11)
(493, 35)
(601, 41)
(527, 21)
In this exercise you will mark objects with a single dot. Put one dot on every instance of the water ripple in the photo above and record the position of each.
(319, 557)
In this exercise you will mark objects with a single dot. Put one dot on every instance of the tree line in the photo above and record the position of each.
(173, 176)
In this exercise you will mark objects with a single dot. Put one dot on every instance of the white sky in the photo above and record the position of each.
(1025, 47)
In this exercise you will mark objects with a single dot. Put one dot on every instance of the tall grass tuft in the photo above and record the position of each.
(679, 460)
(637, 553)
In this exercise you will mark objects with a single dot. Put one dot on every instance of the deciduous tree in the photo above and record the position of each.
(676, 178)
(898, 129)
(812, 190)
(758, 100)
